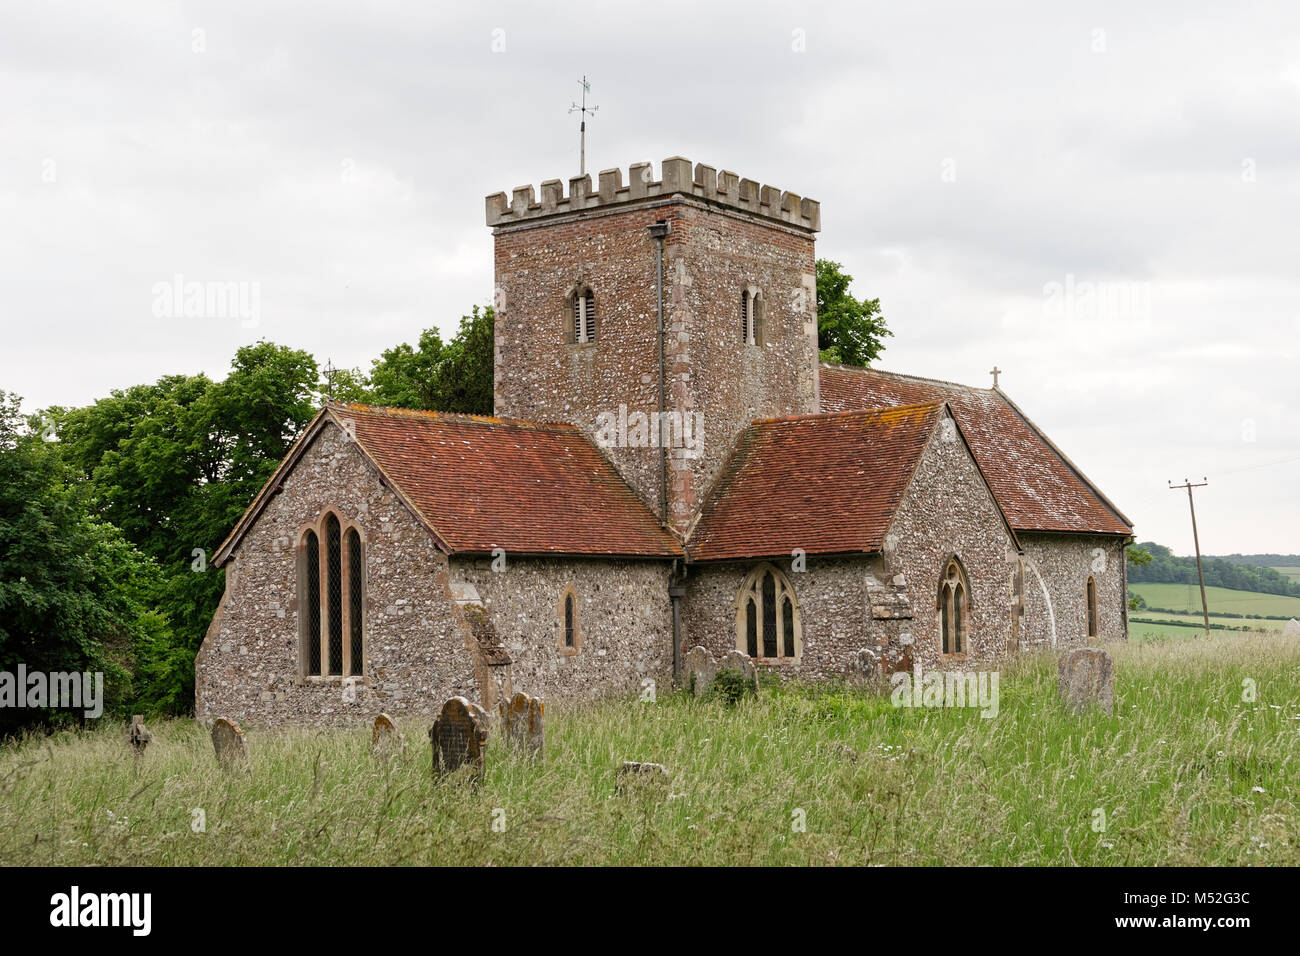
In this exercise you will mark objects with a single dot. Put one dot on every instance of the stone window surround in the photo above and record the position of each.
(755, 312)
(581, 288)
(751, 587)
(566, 650)
(1091, 623)
(345, 566)
(963, 625)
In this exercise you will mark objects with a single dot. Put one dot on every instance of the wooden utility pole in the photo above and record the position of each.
(1205, 605)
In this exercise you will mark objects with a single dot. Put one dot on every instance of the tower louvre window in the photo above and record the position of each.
(751, 316)
(584, 317)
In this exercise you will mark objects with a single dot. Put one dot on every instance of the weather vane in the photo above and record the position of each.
(329, 371)
(584, 109)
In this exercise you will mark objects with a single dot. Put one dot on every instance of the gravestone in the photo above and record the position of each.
(137, 736)
(1292, 628)
(459, 737)
(698, 669)
(1086, 676)
(385, 739)
(867, 670)
(229, 743)
(523, 722)
(735, 660)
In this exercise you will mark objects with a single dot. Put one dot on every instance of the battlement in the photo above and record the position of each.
(721, 187)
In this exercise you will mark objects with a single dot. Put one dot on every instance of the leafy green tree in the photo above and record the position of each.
(73, 591)
(174, 465)
(849, 330)
(451, 377)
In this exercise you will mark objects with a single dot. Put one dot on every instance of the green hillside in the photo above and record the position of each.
(1186, 598)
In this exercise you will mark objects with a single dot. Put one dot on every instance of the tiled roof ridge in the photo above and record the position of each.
(866, 370)
(454, 418)
(849, 413)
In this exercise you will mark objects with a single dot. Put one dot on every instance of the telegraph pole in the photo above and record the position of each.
(584, 109)
(1205, 605)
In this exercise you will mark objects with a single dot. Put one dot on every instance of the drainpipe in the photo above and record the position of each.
(658, 232)
(677, 591)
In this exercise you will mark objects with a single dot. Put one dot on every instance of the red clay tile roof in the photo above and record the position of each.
(485, 483)
(828, 484)
(1036, 485)
(481, 483)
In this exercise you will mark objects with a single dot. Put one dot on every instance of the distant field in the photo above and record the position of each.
(1195, 618)
(1292, 573)
(1182, 597)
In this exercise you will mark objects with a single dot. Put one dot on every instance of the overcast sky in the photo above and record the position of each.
(1101, 199)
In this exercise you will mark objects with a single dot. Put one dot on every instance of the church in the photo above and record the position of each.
(669, 465)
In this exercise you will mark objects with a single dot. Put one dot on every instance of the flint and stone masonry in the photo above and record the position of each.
(440, 624)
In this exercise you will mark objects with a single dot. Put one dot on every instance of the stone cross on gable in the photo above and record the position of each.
(995, 373)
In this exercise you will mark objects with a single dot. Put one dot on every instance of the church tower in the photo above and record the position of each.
(661, 316)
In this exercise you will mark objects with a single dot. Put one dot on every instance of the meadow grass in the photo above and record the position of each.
(1186, 772)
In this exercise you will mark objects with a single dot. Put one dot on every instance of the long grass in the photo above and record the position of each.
(1185, 772)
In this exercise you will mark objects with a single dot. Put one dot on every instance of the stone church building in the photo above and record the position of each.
(669, 465)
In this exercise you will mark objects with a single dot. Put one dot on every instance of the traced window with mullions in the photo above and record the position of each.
(767, 616)
(331, 600)
(954, 608)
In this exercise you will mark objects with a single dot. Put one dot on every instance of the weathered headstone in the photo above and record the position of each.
(739, 661)
(459, 737)
(1292, 628)
(1086, 676)
(641, 775)
(698, 669)
(385, 738)
(522, 721)
(137, 736)
(867, 669)
(229, 743)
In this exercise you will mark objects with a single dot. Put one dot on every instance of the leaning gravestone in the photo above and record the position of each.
(699, 669)
(137, 736)
(1292, 628)
(523, 722)
(229, 743)
(1086, 676)
(459, 737)
(385, 738)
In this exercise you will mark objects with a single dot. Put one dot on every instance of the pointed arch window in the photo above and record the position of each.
(331, 599)
(1091, 598)
(954, 609)
(767, 616)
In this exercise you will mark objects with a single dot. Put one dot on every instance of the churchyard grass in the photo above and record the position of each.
(1185, 772)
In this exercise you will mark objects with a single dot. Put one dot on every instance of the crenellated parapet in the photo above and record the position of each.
(722, 187)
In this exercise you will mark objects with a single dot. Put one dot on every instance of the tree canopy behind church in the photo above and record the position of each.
(849, 330)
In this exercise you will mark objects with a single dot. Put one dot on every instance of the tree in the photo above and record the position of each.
(174, 465)
(451, 377)
(848, 330)
(73, 591)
